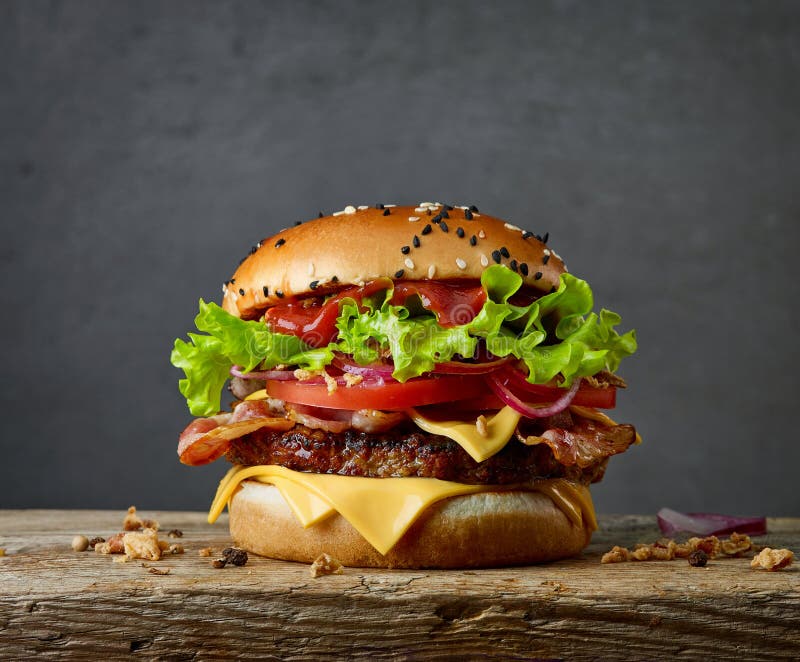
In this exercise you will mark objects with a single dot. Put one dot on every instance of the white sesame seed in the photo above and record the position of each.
(476, 214)
(421, 210)
(460, 263)
(310, 268)
(409, 263)
(338, 213)
(484, 260)
(224, 290)
(389, 206)
(349, 209)
(431, 271)
(482, 234)
(363, 207)
(413, 219)
(426, 204)
(547, 251)
(360, 283)
(462, 207)
(512, 227)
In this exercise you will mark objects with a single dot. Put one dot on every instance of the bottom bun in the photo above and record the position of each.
(474, 531)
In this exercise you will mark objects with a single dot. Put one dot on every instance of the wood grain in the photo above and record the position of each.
(58, 603)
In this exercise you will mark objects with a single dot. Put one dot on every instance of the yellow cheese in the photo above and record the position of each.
(594, 415)
(258, 395)
(382, 509)
(500, 429)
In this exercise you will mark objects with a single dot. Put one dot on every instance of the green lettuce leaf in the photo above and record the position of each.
(207, 359)
(555, 336)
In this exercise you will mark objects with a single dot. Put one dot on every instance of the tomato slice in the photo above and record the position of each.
(390, 396)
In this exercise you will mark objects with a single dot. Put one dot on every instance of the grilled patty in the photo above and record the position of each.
(403, 452)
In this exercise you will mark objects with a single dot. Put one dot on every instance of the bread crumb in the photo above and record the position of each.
(142, 545)
(2, 551)
(156, 571)
(772, 559)
(616, 554)
(206, 551)
(80, 543)
(737, 544)
(325, 564)
(352, 380)
(301, 374)
(113, 545)
(133, 522)
(175, 549)
(710, 545)
(330, 381)
(175, 533)
(121, 558)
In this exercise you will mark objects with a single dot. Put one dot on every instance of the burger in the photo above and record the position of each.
(412, 386)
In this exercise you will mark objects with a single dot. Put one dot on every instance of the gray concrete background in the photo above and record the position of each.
(144, 146)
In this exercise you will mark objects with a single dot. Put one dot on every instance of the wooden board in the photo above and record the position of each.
(58, 603)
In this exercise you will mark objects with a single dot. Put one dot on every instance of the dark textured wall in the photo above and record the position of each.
(144, 146)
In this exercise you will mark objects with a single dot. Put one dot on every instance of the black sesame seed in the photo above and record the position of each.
(429, 212)
(437, 218)
(243, 259)
(296, 223)
(416, 241)
(279, 294)
(241, 292)
(460, 232)
(426, 230)
(445, 214)
(545, 259)
(314, 284)
(266, 291)
(546, 237)
(468, 214)
(443, 226)
(321, 215)
(448, 207)
(527, 234)
(280, 243)
(473, 240)
(523, 269)
(504, 251)
(405, 250)
(473, 208)
(386, 212)
(253, 249)
(513, 265)
(378, 206)
(335, 279)
(496, 256)
(399, 274)
(537, 275)
(233, 281)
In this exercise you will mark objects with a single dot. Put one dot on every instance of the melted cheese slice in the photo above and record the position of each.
(500, 429)
(382, 509)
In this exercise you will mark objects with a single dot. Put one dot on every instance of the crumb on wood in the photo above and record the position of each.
(2, 551)
(113, 545)
(235, 556)
(121, 558)
(772, 559)
(175, 533)
(737, 544)
(206, 551)
(698, 559)
(142, 545)
(616, 554)
(156, 571)
(133, 522)
(710, 545)
(95, 540)
(325, 564)
(175, 548)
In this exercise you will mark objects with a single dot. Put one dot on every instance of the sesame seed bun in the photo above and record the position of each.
(475, 531)
(361, 244)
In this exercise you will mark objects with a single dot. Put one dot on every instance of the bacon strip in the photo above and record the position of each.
(207, 439)
(585, 444)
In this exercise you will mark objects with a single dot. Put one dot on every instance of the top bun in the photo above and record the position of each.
(427, 242)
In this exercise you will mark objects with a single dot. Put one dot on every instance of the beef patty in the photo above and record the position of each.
(403, 452)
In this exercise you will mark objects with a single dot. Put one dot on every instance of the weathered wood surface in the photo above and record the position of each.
(58, 603)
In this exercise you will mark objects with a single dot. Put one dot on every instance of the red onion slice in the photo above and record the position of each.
(347, 364)
(504, 393)
(278, 375)
(709, 524)
(461, 368)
